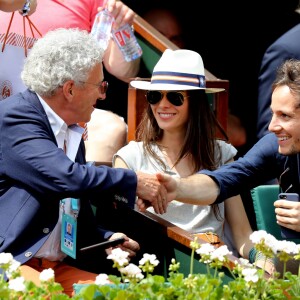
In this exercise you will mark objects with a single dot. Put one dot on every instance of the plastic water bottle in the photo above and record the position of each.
(101, 29)
(123, 36)
(127, 42)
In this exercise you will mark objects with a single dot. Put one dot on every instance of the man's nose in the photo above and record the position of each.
(274, 124)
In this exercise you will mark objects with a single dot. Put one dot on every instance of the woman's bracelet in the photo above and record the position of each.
(252, 255)
(255, 255)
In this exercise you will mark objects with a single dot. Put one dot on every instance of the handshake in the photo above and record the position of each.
(159, 189)
(155, 190)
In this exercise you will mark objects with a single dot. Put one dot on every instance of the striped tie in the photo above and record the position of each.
(85, 133)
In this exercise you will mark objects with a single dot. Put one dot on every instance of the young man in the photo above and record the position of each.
(284, 48)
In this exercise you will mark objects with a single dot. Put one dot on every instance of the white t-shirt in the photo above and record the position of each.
(192, 218)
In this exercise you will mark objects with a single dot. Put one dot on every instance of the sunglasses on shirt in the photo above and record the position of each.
(175, 98)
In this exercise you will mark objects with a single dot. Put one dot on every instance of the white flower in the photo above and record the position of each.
(257, 236)
(243, 262)
(250, 274)
(17, 284)
(151, 258)
(13, 266)
(287, 247)
(205, 249)
(119, 256)
(261, 236)
(47, 275)
(271, 242)
(5, 258)
(132, 271)
(220, 253)
(102, 279)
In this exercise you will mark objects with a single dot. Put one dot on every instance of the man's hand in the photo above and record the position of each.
(288, 214)
(113, 58)
(129, 245)
(151, 193)
(170, 184)
(167, 186)
(121, 12)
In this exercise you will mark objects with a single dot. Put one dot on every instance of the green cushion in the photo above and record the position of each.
(263, 197)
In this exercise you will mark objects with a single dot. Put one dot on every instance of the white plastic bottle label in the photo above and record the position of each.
(127, 42)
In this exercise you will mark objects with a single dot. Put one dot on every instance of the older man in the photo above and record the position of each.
(44, 181)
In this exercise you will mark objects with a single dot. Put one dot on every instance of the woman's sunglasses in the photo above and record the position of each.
(175, 98)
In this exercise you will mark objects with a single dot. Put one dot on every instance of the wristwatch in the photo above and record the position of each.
(26, 8)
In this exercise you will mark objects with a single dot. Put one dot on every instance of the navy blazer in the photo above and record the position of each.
(285, 47)
(35, 175)
(260, 164)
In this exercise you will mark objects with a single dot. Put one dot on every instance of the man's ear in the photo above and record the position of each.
(68, 89)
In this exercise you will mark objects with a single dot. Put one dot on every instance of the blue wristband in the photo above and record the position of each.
(257, 255)
(252, 255)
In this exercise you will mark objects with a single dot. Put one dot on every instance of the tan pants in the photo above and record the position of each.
(64, 274)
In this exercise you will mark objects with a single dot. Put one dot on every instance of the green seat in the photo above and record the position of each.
(150, 56)
(263, 197)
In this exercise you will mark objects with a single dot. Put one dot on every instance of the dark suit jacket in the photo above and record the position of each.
(286, 47)
(35, 175)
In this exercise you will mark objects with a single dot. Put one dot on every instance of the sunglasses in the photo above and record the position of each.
(102, 86)
(175, 98)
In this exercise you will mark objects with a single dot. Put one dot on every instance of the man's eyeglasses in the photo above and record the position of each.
(103, 86)
(175, 98)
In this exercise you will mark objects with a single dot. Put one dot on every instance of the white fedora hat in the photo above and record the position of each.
(177, 70)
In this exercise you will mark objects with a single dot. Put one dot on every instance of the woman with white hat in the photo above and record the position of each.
(177, 135)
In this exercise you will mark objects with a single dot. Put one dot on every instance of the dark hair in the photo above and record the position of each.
(200, 138)
(289, 74)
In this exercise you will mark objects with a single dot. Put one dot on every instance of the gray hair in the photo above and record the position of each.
(59, 56)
